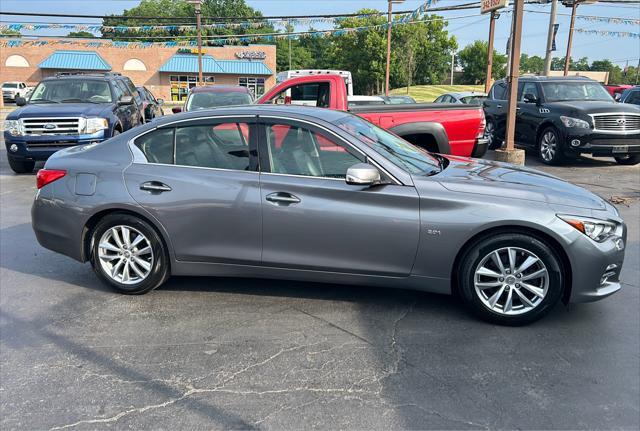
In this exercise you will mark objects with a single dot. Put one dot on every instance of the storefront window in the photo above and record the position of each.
(180, 85)
(255, 85)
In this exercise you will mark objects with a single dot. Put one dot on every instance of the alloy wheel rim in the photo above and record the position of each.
(125, 254)
(488, 133)
(511, 281)
(548, 146)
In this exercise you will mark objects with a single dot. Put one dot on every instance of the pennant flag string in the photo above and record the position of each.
(609, 33)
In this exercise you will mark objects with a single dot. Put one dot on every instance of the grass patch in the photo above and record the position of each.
(428, 93)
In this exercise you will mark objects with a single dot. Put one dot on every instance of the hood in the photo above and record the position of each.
(483, 177)
(593, 107)
(60, 110)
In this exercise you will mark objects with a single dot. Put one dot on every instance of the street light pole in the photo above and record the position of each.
(567, 57)
(552, 22)
(197, 5)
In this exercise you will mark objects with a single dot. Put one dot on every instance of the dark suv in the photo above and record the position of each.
(563, 117)
(66, 110)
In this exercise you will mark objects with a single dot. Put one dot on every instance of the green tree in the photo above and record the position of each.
(184, 13)
(9, 33)
(300, 56)
(473, 59)
(531, 64)
(81, 34)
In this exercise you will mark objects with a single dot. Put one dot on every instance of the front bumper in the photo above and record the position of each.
(601, 144)
(33, 148)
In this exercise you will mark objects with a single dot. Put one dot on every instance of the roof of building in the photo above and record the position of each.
(188, 63)
(75, 60)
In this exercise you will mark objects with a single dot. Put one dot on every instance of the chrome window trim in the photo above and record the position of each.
(139, 158)
(614, 132)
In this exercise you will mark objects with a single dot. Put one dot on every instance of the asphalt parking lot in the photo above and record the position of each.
(252, 354)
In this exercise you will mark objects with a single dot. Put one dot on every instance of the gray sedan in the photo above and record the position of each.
(319, 195)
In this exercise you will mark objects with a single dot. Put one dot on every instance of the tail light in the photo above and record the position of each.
(46, 176)
(483, 123)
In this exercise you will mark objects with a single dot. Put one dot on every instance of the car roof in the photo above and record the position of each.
(552, 78)
(466, 94)
(219, 89)
(292, 111)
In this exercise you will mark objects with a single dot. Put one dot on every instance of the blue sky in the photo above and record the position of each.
(619, 50)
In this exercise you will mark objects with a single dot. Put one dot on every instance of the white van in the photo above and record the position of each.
(348, 80)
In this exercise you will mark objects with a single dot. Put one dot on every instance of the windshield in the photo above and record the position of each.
(9, 85)
(395, 149)
(211, 100)
(561, 91)
(69, 91)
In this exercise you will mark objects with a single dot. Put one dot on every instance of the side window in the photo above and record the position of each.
(499, 91)
(132, 88)
(123, 88)
(528, 88)
(157, 146)
(634, 97)
(296, 150)
(222, 146)
(315, 94)
(118, 93)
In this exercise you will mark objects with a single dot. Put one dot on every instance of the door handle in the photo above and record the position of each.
(282, 198)
(498, 106)
(155, 186)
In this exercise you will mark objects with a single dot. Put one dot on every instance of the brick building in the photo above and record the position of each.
(167, 71)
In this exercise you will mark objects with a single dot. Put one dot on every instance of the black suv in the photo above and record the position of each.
(67, 110)
(563, 117)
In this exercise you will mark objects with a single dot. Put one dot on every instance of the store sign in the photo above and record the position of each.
(251, 55)
(491, 5)
(189, 51)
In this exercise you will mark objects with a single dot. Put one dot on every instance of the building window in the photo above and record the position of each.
(16, 61)
(255, 85)
(134, 64)
(180, 85)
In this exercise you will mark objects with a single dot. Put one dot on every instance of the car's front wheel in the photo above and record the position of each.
(128, 254)
(21, 166)
(550, 147)
(628, 160)
(490, 135)
(510, 278)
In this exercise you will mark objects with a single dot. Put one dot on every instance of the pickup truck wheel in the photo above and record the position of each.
(21, 166)
(628, 160)
(549, 147)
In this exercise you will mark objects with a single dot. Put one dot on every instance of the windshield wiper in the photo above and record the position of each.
(43, 101)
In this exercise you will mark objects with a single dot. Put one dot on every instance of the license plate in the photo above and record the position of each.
(620, 149)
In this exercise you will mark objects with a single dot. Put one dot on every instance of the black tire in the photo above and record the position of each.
(491, 136)
(628, 160)
(483, 248)
(116, 132)
(21, 166)
(550, 139)
(159, 267)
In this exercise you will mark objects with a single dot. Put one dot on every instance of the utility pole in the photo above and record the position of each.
(552, 22)
(389, 23)
(492, 28)
(198, 4)
(290, 30)
(567, 57)
(637, 71)
(514, 71)
(453, 62)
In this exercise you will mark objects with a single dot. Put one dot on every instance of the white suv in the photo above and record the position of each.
(13, 89)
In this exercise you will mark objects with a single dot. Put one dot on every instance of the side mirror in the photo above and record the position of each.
(530, 98)
(160, 101)
(126, 100)
(287, 100)
(21, 101)
(616, 97)
(176, 109)
(363, 174)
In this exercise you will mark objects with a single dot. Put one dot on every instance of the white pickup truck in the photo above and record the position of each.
(13, 89)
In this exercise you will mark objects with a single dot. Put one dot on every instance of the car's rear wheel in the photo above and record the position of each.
(490, 135)
(21, 166)
(511, 278)
(550, 147)
(128, 254)
(629, 159)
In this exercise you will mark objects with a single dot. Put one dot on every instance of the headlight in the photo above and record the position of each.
(597, 230)
(93, 125)
(574, 122)
(14, 127)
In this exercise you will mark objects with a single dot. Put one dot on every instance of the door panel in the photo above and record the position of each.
(338, 227)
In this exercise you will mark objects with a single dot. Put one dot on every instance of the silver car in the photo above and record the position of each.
(312, 194)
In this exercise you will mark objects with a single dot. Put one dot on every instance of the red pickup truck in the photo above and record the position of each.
(437, 127)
